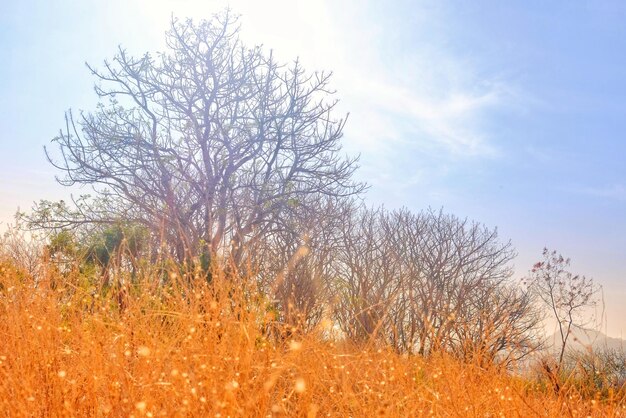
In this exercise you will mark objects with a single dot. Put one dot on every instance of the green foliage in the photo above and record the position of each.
(93, 253)
(101, 247)
(63, 242)
(205, 263)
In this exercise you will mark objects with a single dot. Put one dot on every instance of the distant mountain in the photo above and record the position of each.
(586, 339)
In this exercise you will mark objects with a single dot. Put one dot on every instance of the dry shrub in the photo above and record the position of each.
(162, 348)
(21, 249)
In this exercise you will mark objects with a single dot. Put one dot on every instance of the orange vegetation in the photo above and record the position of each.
(68, 349)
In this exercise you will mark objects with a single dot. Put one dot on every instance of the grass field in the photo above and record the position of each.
(68, 349)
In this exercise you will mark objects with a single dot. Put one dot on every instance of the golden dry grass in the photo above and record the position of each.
(66, 350)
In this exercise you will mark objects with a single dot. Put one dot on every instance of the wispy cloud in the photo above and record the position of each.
(415, 110)
(614, 192)
(415, 92)
(450, 124)
(408, 95)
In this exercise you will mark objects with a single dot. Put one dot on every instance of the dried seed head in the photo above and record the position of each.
(143, 351)
(295, 345)
(300, 385)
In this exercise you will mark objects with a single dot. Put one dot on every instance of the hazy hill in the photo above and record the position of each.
(585, 339)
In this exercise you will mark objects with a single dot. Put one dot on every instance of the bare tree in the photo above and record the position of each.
(499, 324)
(366, 276)
(456, 275)
(294, 267)
(431, 281)
(567, 296)
(210, 143)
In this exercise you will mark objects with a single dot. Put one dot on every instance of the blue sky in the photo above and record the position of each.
(511, 114)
